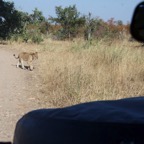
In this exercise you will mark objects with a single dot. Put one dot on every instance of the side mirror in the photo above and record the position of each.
(137, 23)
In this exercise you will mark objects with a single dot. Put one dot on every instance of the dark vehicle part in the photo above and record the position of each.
(137, 24)
(100, 122)
(5, 143)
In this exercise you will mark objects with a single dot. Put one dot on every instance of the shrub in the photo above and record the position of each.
(37, 38)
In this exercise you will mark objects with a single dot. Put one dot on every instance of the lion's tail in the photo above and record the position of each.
(15, 56)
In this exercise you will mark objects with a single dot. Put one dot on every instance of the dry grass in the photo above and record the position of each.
(76, 72)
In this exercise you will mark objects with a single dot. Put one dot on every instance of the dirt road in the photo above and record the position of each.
(17, 96)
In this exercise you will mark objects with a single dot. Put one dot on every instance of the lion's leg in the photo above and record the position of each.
(30, 66)
(22, 63)
(17, 64)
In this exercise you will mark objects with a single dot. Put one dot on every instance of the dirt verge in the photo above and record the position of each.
(18, 93)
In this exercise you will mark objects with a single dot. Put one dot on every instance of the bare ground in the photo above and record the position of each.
(18, 93)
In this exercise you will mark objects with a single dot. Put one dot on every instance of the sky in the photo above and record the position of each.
(104, 9)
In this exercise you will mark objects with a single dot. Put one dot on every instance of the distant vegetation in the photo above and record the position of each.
(68, 24)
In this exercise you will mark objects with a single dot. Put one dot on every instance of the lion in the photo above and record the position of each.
(27, 57)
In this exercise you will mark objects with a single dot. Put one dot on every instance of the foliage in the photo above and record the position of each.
(69, 19)
(14, 23)
(111, 29)
(36, 26)
(91, 25)
(44, 27)
(37, 38)
(36, 17)
(67, 24)
(33, 35)
(10, 19)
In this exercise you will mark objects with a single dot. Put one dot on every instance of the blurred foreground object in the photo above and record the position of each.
(5, 143)
(137, 23)
(99, 122)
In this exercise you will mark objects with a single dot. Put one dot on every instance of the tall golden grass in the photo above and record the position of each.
(76, 72)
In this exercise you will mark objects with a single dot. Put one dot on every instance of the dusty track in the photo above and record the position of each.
(17, 88)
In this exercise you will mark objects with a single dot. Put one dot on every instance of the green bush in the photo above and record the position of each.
(37, 38)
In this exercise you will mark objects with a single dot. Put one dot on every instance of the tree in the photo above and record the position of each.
(37, 17)
(69, 19)
(10, 19)
(90, 26)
